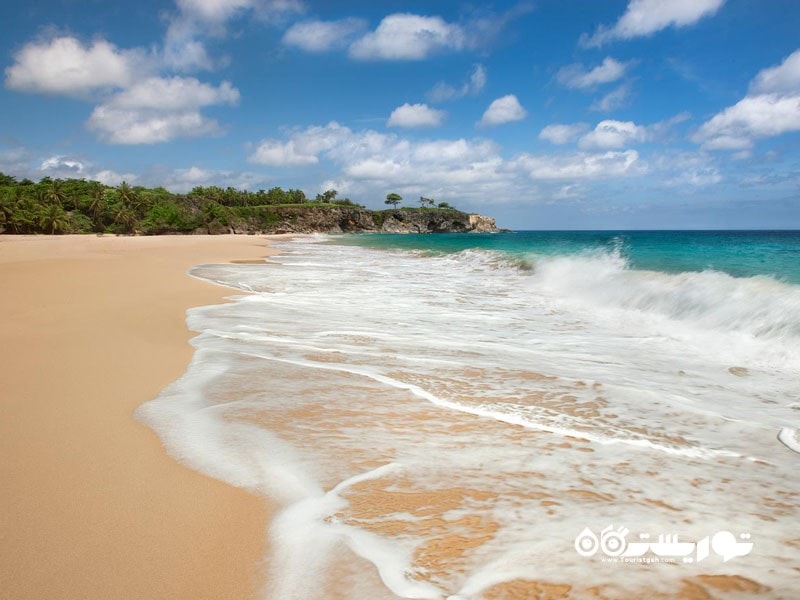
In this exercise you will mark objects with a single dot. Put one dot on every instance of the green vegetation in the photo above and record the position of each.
(56, 206)
(78, 206)
(393, 199)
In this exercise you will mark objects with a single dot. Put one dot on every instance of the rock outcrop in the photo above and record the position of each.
(353, 219)
(481, 224)
(434, 221)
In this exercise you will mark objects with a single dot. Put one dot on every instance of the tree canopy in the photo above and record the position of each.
(55, 206)
(394, 199)
(81, 206)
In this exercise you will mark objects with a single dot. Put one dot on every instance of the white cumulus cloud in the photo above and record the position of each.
(613, 134)
(173, 93)
(368, 163)
(771, 108)
(121, 126)
(415, 115)
(322, 36)
(69, 167)
(783, 79)
(274, 153)
(66, 66)
(761, 116)
(109, 177)
(645, 17)
(577, 76)
(303, 147)
(63, 164)
(406, 36)
(160, 109)
(369, 160)
(503, 110)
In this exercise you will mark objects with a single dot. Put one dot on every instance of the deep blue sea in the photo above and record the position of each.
(440, 415)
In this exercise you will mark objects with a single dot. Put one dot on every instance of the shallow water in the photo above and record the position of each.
(458, 417)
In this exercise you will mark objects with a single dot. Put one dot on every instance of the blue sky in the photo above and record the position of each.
(546, 114)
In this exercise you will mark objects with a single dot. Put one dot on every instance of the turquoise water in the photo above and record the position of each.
(737, 253)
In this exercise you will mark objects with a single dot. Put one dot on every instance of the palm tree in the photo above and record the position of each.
(128, 195)
(53, 219)
(40, 196)
(7, 204)
(56, 193)
(97, 202)
(125, 217)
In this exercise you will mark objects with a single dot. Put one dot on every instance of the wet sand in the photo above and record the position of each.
(92, 506)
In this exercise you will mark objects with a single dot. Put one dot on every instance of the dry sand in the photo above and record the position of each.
(92, 507)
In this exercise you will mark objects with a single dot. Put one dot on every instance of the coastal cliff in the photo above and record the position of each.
(352, 219)
(79, 206)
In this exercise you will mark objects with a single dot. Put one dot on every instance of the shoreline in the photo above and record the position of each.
(93, 505)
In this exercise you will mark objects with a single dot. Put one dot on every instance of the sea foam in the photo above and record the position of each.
(392, 401)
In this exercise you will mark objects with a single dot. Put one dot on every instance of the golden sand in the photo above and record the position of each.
(91, 505)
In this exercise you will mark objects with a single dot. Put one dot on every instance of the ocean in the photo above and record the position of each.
(481, 415)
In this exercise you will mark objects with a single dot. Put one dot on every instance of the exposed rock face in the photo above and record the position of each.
(439, 221)
(481, 224)
(350, 219)
(322, 219)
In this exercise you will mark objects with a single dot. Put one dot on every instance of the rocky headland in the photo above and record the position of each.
(350, 219)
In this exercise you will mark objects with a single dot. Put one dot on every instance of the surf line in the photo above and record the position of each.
(497, 416)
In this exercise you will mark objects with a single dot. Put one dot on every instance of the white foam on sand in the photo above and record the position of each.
(537, 408)
(788, 437)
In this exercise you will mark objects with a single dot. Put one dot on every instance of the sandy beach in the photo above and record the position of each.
(94, 508)
(92, 505)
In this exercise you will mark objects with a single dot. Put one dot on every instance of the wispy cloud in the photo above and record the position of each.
(582, 165)
(579, 77)
(559, 133)
(323, 36)
(442, 91)
(184, 47)
(646, 17)
(613, 100)
(184, 179)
